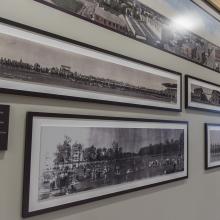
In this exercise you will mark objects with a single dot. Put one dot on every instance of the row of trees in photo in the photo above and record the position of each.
(36, 67)
(115, 152)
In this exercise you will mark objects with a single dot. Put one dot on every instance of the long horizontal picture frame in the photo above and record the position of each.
(212, 146)
(137, 20)
(201, 94)
(75, 159)
(34, 62)
(214, 5)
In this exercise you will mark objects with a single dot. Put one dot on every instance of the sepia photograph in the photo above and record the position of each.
(134, 19)
(212, 132)
(202, 95)
(63, 69)
(80, 158)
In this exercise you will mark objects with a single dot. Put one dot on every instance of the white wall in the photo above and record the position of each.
(196, 198)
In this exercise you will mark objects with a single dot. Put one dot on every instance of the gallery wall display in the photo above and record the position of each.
(136, 20)
(212, 146)
(45, 65)
(75, 159)
(4, 124)
(201, 94)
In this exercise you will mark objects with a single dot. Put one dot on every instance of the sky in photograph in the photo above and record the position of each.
(15, 48)
(130, 139)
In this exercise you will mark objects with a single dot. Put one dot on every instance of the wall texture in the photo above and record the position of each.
(196, 198)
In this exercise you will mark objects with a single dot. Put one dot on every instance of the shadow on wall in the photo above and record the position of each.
(2, 155)
(210, 171)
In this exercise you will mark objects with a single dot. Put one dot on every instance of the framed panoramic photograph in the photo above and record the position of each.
(75, 159)
(172, 27)
(202, 95)
(45, 65)
(212, 146)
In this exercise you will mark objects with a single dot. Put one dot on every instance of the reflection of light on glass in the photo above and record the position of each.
(185, 22)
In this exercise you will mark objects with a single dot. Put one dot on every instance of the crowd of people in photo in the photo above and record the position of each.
(96, 167)
(66, 180)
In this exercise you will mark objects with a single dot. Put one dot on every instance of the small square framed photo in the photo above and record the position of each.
(201, 95)
(212, 146)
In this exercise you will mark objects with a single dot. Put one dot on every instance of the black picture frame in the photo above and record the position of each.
(198, 105)
(152, 43)
(32, 118)
(4, 125)
(211, 159)
(21, 27)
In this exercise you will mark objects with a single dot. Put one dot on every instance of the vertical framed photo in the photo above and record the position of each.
(4, 124)
(75, 159)
(212, 146)
(201, 94)
(38, 63)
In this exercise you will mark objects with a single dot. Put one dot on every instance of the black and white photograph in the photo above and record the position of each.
(4, 126)
(36, 63)
(177, 29)
(212, 156)
(75, 159)
(202, 95)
